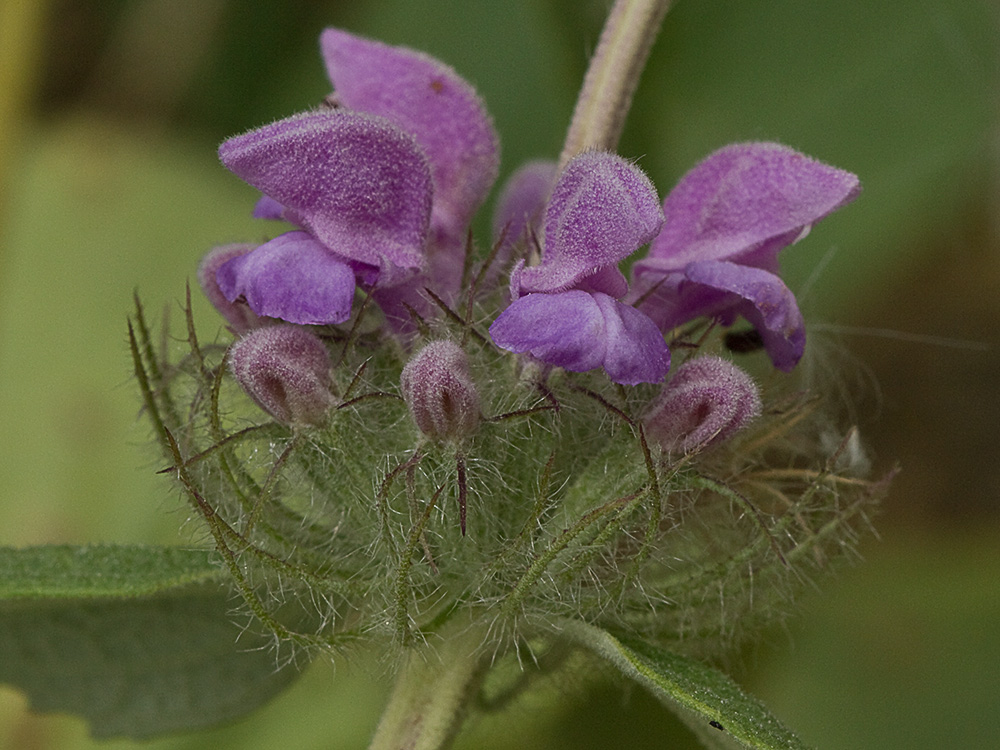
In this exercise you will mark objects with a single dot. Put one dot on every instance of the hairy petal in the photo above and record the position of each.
(635, 351)
(358, 183)
(602, 209)
(764, 300)
(429, 100)
(566, 330)
(294, 278)
(744, 195)
(580, 331)
(239, 316)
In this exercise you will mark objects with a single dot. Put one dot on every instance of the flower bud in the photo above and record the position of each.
(238, 314)
(707, 401)
(286, 370)
(438, 388)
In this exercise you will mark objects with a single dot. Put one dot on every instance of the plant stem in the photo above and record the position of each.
(613, 75)
(433, 690)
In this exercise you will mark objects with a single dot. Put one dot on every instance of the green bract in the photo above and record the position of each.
(352, 531)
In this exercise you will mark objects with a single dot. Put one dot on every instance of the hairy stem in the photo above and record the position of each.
(613, 75)
(433, 690)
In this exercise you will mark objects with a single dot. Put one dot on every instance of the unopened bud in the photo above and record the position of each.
(707, 401)
(438, 388)
(286, 370)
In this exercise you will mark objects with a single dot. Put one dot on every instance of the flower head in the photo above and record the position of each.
(382, 186)
(726, 221)
(566, 310)
(596, 508)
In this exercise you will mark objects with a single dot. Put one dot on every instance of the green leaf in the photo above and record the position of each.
(54, 572)
(139, 641)
(713, 706)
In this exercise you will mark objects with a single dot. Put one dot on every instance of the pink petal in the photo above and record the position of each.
(566, 329)
(744, 195)
(764, 300)
(635, 351)
(580, 331)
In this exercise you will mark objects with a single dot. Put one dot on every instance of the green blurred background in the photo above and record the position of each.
(110, 113)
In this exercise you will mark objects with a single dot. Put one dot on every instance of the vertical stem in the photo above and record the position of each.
(432, 693)
(613, 74)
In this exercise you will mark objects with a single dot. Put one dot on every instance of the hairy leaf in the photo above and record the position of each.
(713, 706)
(139, 641)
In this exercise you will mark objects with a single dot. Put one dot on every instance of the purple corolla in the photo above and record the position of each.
(381, 185)
(725, 223)
(566, 311)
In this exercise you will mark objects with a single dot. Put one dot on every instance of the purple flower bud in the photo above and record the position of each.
(438, 388)
(286, 370)
(707, 401)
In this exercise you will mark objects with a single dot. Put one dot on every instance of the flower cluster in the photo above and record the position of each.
(530, 389)
(384, 181)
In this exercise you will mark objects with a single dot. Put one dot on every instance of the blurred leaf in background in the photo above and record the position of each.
(111, 112)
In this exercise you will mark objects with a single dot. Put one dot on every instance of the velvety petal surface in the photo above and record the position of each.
(764, 300)
(566, 329)
(294, 278)
(580, 331)
(635, 351)
(358, 183)
(429, 100)
(744, 195)
(239, 316)
(602, 209)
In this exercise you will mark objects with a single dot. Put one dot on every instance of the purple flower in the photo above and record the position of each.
(382, 186)
(566, 310)
(239, 316)
(726, 221)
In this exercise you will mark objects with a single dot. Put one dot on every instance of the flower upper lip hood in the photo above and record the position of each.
(726, 221)
(383, 185)
(356, 183)
(431, 102)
